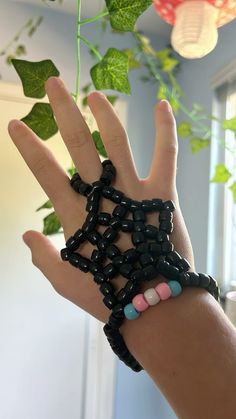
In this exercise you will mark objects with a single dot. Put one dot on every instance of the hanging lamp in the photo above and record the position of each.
(195, 23)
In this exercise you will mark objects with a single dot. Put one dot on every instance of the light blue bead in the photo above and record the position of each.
(130, 312)
(175, 287)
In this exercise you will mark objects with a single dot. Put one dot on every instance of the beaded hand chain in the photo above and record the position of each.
(152, 254)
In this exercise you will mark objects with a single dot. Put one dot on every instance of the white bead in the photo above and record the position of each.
(151, 296)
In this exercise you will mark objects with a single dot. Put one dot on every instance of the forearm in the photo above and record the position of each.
(188, 347)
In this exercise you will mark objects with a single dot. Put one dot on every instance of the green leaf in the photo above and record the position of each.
(184, 129)
(112, 99)
(20, 50)
(112, 72)
(51, 224)
(41, 120)
(87, 88)
(124, 13)
(47, 204)
(133, 63)
(221, 175)
(198, 144)
(230, 124)
(85, 101)
(71, 171)
(9, 59)
(99, 144)
(233, 189)
(33, 76)
(162, 92)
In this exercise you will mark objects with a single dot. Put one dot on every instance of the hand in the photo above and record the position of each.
(68, 281)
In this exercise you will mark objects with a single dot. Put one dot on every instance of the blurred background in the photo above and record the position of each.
(54, 359)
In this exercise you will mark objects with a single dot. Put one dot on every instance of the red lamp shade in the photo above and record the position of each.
(195, 23)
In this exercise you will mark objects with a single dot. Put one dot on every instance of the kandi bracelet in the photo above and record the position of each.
(152, 254)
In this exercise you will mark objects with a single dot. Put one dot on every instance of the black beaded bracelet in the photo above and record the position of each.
(153, 253)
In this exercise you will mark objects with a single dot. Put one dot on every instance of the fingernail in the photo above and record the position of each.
(165, 106)
(14, 123)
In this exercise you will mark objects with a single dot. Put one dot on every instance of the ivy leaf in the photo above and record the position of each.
(198, 144)
(112, 72)
(133, 63)
(184, 129)
(230, 124)
(221, 175)
(41, 120)
(51, 224)
(112, 99)
(71, 171)
(233, 189)
(47, 204)
(33, 76)
(124, 13)
(99, 144)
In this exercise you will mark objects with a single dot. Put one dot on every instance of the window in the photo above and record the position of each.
(222, 209)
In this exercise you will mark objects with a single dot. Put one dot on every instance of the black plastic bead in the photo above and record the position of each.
(173, 257)
(126, 270)
(117, 196)
(110, 271)
(112, 251)
(106, 177)
(74, 259)
(157, 204)
(83, 264)
(97, 256)
(104, 218)
(147, 205)
(143, 248)
(84, 189)
(100, 278)
(184, 279)
(165, 216)
(65, 254)
(137, 238)
(72, 243)
(146, 259)
(115, 223)
(102, 245)
(107, 191)
(139, 226)
(151, 231)
(122, 297)
(90, 222)
(94, 268)
(162, 236)
(115, 323)
(126, 202)
(119, 211)
(204, 280)
(167, 247)
(137, 276)
(75, 178)
(118, 311)
(110, 234)
(97, 186)
(94, 237)
(130, 255)
(118, 261)
(169, 271)
(183, 265)
(139, 215)
(149, 273)
(131, 288)
(80, 235)
(76, 184)
(107, 162)
(92, 206)
(155, 249)
(127, 225)
(194, 278)
(166, 226)
(108, 330)
(106, 288)
(169, 205)
(135, 205)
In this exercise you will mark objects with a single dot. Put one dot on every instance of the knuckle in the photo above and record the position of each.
(117, 139)
(41, 163)
(77, 140)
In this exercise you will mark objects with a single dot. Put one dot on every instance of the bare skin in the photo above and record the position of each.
(187, 345)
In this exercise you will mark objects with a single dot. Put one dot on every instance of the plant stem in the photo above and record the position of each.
(4, 50)
(77, 51)
(92, 19)
(91, 47)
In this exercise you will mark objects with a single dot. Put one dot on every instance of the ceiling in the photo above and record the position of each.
(148, 22)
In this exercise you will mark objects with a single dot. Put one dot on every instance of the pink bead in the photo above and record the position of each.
(139, 303)
(163, 290)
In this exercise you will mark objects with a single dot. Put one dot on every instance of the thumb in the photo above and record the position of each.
(45, 256)
(163, 167)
